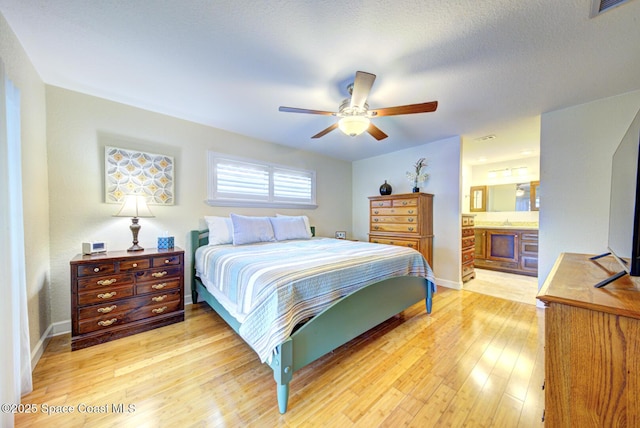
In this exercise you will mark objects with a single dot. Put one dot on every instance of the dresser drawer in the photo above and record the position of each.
(104, 281)
(152, 287)
(379, 204)
(135, 264)
(167, 261)
(468, 269)
(96, 269)
(397, 241)
(468, 256)
(394, 211)
(136, 310)
(394, 219)
(468, 231)
(158, 274)
(469, 242)
(405, 202)
(106, 294)
(392, 227)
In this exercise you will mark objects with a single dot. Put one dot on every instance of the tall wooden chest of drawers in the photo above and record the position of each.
(119, 293)
(468, 247)
(404, 219)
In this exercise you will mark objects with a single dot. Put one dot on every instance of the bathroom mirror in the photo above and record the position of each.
(505, 197)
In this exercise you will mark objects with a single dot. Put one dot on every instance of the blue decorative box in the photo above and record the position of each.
(165, 242)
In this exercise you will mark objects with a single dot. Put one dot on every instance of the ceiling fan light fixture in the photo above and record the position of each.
(353, 125)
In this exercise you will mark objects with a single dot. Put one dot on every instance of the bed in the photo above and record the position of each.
(309, 327)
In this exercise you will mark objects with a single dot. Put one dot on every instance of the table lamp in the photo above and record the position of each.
(134, 206)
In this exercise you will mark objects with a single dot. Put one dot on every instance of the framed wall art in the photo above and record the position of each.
(130, 171)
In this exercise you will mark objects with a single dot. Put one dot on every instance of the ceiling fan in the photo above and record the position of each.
(354, 112)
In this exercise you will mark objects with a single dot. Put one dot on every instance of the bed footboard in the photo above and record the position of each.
(343, 321)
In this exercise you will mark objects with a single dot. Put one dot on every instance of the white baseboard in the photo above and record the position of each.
(449, 284)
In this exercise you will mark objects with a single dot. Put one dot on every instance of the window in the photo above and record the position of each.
(248, 183)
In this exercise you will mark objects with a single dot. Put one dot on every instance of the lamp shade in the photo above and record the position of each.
(134, 206)
(353, 125)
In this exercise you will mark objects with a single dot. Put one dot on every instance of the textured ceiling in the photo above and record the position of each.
(493, 65)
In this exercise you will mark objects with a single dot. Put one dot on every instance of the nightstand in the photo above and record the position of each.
(120, 293)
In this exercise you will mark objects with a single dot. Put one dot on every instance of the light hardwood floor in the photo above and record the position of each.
(476, 361)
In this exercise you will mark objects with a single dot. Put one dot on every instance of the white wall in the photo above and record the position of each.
(575, 175)
(78, 128)
(34, 180)
(443, 159)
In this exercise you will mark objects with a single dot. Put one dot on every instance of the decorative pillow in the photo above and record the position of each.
(285, 228)
(247, 230)
(220, 230)
(304, 218)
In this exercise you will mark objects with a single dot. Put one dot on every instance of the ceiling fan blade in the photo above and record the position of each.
(361, 87)
(408, 109)
(304, 110)
(376, 132)
(326, 131)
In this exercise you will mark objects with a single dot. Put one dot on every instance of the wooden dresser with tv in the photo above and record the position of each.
(592, 345)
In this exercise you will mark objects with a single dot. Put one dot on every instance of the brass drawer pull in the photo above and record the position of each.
(376, 211)
(404, 202)
(375, 219)
(159, 298)
(107, 295)
(107, 323)
(380, 204)
(410, 229)
(376, 227)
(107, 281)
(159, 274)
(107, 309)
(410, 219)
(159, 286)
(159, 310)
(410, 211)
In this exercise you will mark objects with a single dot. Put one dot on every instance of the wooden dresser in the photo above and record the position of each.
(119, 293)
(468, 247)
(592, 345)
(405, 219)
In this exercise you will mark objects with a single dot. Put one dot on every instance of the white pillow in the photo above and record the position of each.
(285, 228)
(220, 230)
(247, 230)
(304, 218)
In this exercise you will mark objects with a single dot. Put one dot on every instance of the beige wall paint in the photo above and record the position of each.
(34, 179)
(576, 147)
(78, 128)
(444, 168)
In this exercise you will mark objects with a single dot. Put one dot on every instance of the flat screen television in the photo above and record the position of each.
(624, 208)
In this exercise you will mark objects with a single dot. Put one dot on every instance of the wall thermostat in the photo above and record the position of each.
(94, 247)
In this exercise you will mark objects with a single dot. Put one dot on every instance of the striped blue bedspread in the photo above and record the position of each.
(270, 287)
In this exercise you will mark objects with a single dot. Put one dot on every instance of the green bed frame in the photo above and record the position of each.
(338, 324)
